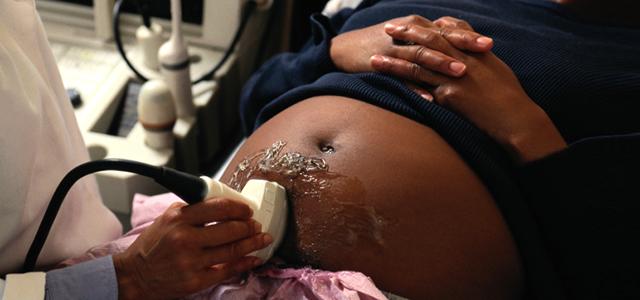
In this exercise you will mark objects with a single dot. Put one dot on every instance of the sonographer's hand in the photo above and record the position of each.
(489, 94)
(178, 255)
(352, 51)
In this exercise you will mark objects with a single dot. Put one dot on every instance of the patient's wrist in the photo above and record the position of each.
(351, 51)
(536, 139)
(336, 52)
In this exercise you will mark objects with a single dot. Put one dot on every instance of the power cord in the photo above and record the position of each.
(143, 9)
(190, 188)
(248, 11)
(117, 8)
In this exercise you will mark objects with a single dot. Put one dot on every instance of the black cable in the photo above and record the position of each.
(246, 15)
(188, 187)
(117, 8)
(260, 56)
(143, 8)
(249, 9)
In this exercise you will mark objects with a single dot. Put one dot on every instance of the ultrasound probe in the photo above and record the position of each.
(267, 199)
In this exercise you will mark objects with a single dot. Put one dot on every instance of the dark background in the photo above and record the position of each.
(191, 9)
(192, 13)
(300, 28)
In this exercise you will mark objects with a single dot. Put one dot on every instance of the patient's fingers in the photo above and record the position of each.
(405, 69)
(430, 59)
(441, 38)
(452, 22)
(420, 35)
(426, 95)
(414, 19)
(236, 250)
(467, 40)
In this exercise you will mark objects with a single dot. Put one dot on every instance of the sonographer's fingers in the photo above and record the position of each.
(173, 256)
(226, 232)
(215, 210)
(236, 250)
(221, 272)
(405, 69)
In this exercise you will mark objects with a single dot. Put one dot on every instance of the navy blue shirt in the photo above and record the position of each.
(573, 214)
(582, 75)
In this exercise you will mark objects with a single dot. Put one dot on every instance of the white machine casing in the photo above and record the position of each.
(157, 114)
(174, 65)
(150, 41)
(82, 42)
(267, 199)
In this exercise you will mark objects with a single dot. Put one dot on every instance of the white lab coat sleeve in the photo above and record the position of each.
(95, 279)
(1, 287)
(39, 143)
(27, 286)
(335, 6)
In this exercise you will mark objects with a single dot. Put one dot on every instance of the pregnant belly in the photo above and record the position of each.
(375, 192)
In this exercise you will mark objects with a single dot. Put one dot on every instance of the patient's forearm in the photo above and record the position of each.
(488, 94)
(537, 138)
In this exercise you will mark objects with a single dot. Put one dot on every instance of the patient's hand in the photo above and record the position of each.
(351, 51)
(178, 255)
(489, 94)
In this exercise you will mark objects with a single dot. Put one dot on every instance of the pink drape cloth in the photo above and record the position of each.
(267, 282)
